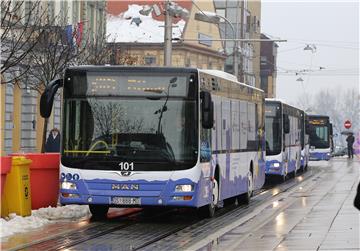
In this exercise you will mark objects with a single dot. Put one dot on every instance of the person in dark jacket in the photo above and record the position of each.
(350, 141)
(357, 198)
(53, 141)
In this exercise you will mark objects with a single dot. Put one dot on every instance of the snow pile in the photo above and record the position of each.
(131, 26)
(65, 212)
(17, 224)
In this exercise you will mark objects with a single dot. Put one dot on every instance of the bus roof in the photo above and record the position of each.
(318, 116)
(227, 76)
(215, 73)
(132, 68)
(282, 101)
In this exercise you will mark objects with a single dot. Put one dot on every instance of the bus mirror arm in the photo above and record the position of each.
(47, 98)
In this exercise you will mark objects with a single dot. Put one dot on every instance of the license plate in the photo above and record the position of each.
(126, 201)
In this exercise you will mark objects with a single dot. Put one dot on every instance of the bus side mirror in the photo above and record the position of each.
(207, 110)
(47, 98)
(307, 127)
(286, 123)
(331, 129)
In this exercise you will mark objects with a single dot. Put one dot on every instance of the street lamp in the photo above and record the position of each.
(171, 10)
(211, 17)
(310, 47)
(300, 79)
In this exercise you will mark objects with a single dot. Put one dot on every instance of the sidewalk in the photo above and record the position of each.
(316, 216)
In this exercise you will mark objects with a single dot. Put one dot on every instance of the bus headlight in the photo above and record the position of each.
(184, 188)
(67, 185)
(276, 164)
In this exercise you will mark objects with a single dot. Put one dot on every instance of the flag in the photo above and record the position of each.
(69, 34)
(79, 32)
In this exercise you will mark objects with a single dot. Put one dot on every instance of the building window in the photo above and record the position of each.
(264, 83)
(263, 60)
(51, 11)
(76, 11)
(28, 9)
(221, 12)
(91, 16)
(150, 60)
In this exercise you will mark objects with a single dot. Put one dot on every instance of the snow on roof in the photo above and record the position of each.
(227, 76)
(131, 26)
(275, 99)
(282, 101)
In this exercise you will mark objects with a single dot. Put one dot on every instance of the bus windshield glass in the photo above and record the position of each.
(273, 128)
(319, 136)
(150, 121)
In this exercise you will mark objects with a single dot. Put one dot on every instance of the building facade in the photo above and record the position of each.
(21, 125)
(131, 32)
(244, 17)
(254, 26)
(268, 57)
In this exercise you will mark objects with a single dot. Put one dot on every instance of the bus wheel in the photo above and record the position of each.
(245, 198)
(99, 211)
(208, 211)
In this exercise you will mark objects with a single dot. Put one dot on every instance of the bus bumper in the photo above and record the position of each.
(273, 167)
(137, 193)
(320, 156)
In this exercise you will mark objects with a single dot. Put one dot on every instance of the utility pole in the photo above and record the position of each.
(167, 35)
(241, 78)
(236, 47)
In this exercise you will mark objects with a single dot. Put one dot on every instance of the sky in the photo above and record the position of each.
(332, 26)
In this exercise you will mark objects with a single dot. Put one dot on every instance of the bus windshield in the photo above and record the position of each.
(152, 126)
(319, 136)
(273, 128)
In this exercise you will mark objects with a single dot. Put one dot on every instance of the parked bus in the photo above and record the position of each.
(320, 137)
(159, 136)
(283, 129)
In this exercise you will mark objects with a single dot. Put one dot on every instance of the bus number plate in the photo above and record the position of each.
(125, 201)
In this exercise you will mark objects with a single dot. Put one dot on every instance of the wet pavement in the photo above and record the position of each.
(58, 229)
(318, 215)
(312, 212)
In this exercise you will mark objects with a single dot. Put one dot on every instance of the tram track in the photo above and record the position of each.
(139, 232)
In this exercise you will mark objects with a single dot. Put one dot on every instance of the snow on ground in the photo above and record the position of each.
(17, 224)
(131, 26)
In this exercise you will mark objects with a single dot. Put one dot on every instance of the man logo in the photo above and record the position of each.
(125, 173)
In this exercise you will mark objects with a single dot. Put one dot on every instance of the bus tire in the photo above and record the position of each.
(99, 211)
(208, 211)
(245, 198)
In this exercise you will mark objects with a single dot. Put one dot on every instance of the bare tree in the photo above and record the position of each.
(21, 26)
(339, 105)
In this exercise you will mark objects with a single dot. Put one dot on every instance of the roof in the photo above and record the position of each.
(131, 26)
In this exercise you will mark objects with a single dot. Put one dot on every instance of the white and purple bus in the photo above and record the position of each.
(320, 134)
(157, 136)
(285, 138)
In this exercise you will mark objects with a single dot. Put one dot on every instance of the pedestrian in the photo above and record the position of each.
(53, 141)
(350, 141)
(357, 198)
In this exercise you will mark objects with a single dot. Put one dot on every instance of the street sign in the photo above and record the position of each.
(347, 124)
